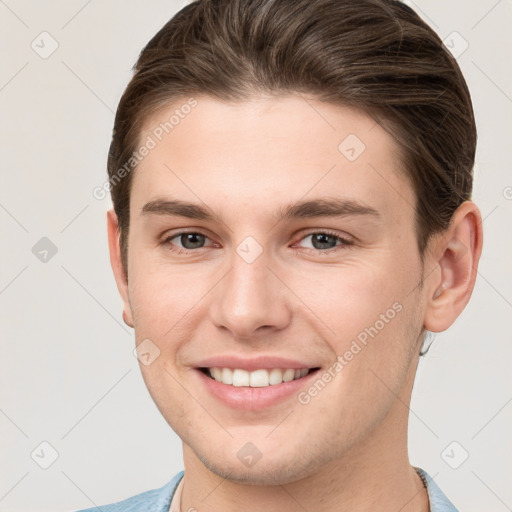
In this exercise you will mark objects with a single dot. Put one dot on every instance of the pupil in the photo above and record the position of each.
(192, 240)
(321, 241)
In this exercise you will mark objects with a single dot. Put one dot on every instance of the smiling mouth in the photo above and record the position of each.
(258, 378)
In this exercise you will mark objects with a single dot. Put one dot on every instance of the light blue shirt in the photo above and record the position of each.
(159, 500)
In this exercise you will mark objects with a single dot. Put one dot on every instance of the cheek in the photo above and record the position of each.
(370, 315)
(162, 295)
(352, 297)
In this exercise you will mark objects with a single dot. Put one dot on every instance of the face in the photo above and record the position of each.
(249, 273)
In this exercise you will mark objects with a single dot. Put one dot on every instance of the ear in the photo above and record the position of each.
(454, 256)
(117, 265)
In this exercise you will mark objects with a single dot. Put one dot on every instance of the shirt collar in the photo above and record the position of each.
(438, 501)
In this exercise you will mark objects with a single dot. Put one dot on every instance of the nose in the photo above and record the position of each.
(251, 300)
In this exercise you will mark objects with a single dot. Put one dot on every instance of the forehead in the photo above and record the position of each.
(266, 151)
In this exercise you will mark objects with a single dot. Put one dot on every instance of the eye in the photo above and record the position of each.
(326, 241)
(185, 241)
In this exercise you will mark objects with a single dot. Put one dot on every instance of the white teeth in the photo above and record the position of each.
(275, 376)
(216, 373)
(288, 375)
(257, 378)
(227, 375)
(240, 378)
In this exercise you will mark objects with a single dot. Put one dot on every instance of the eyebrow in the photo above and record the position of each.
(297, 210)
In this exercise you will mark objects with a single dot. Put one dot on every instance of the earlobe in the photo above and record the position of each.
(127, 319)
(456, 256)
(117, 265)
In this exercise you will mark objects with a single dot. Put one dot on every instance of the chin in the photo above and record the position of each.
(262, 473)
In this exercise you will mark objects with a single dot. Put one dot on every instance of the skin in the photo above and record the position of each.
(347, 448)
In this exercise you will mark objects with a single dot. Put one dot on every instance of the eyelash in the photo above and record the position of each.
(345, 243)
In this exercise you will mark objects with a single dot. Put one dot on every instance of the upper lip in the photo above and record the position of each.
(267, 362)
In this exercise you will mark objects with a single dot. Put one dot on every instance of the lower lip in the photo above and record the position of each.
(254, 399)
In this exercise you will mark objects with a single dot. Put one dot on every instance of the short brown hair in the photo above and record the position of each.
(376, 55)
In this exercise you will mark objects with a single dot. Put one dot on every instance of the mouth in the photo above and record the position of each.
(260, 378)
(257, 390)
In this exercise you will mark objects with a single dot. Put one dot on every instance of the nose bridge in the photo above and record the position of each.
(250, 296)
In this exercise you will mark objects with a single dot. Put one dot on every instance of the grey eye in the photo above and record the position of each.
(192, 240)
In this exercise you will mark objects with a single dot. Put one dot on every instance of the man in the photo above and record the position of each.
(291, 184)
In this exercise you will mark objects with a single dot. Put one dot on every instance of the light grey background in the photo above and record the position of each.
(68, 376)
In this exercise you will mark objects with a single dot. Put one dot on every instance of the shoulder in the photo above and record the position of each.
(155, 500)
(438, 501)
